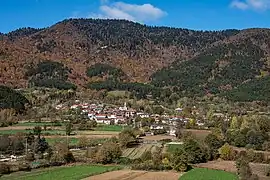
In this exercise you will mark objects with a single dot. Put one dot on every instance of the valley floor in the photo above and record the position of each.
(135, 175)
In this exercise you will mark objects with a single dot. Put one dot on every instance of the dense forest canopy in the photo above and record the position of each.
(49, 74)
(219, 69)
(10, 99)
(101, 70)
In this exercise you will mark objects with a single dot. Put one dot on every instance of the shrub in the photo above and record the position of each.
(30, 156)
(4, 168)
(227, 152)
(69, 158)
(194, 151)
(266, 146)
(123, 160)
(148, 165)
(91, 152)
(108, 153)
(24, 167)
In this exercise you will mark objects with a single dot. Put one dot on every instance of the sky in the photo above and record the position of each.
(192, 14)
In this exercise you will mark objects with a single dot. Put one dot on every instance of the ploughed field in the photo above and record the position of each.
(136, 152)
(135, 175)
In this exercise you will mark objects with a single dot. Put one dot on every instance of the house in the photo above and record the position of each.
(59, 106)
(179, 109)
(123, 108)
(75, 106)
(172, 132)
(143, 115)
(100, 116)
(103, 121)
(156, 127)
(91, 116)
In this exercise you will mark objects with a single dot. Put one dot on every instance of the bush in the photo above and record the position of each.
(159, 131)
(91, 152)
(24, 167)
(30, 157)
(4, 168)
(266, 146)
(148, 165)
(123, 161)
(108, 153)
(69, 158)
(227, 152)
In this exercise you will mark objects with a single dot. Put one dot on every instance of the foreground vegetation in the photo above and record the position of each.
(62, 173)
(208, 174)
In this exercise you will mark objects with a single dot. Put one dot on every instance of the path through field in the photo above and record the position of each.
(135, 175)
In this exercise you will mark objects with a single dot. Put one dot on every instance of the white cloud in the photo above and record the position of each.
(251, 4)
(132, 12)
(239, 5)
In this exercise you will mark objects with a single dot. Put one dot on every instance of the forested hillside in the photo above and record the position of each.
(119, 54)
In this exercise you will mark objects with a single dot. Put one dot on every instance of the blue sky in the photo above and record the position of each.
(193, 14)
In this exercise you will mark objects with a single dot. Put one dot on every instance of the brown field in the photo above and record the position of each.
(220, 165)
(257, 168)
(199, 134)
(135, 175)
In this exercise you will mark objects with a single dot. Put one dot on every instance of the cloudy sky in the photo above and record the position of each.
(193, 14)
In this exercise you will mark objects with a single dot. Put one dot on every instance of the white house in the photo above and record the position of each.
(156, 127)
(172, 132)
(123, 108)
(103, 121)
(74, 106)
(143, 115)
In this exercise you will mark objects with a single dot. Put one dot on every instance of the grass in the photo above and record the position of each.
(115, 128)
(173, 147)
(71, 140)
(62, 173)
(208, 174)
(15, 131)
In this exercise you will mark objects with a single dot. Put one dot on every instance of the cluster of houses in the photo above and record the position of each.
(121, 115)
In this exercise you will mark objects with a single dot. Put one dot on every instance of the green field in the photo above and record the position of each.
(208, 174)
(173, 147)
(71, 140)
(61, 173)
(15, 131)
(115, 128)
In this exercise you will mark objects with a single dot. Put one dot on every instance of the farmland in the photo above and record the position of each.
(135, 175)
(208, 174)
(38, 124)
(173, 147)
(136, 152)
(114, 128)
(15, 131)
(257, 168)
(61, 173)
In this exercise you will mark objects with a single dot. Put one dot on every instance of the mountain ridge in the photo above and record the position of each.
(139, 50)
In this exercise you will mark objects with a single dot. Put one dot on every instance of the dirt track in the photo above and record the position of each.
(135, 175)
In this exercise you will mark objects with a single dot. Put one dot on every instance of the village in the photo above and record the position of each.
(123, 115)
